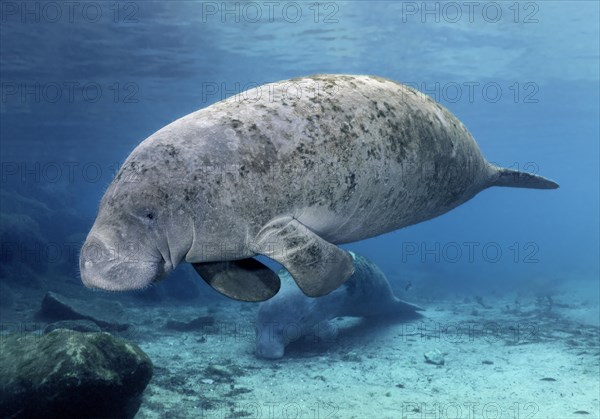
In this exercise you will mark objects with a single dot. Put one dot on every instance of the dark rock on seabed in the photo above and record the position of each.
(68, 374)
(199, 323)
(55, 307)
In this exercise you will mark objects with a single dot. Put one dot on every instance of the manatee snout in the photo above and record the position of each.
(121, 266)
(269, 350)
(270, 342)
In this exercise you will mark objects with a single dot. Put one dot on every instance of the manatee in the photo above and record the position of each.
(287, 170)
(290, 314)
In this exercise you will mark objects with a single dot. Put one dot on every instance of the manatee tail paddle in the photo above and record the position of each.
(516, 179)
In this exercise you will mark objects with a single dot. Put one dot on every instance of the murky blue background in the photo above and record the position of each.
(82, 87)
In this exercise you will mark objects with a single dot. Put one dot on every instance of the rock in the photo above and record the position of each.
(351, 357)
(223, 373)
(84, 326)
(198, 323)
(218, 371)
(480, 301)
(236, 391)
(71, 374)
(434, 357)
(56, 307)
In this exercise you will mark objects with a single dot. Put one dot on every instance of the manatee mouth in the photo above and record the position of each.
(271, 350)
(123, 277)
(103, 268)
(269, 343)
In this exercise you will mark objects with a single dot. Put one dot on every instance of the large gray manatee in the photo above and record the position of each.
(290, 315)
(287, 170)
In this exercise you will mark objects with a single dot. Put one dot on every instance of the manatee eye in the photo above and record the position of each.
(150, 215)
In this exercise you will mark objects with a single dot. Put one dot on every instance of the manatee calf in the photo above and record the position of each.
(291, 315)
(287, 170)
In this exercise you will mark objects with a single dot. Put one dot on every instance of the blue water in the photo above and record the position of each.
(81, 90)
(161, 61)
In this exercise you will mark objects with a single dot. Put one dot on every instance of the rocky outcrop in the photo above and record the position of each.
(71, 374)
(56, 307)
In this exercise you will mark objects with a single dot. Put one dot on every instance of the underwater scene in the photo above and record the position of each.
(300, 209)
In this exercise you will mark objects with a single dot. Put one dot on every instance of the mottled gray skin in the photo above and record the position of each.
(352, 158)
(290, 315)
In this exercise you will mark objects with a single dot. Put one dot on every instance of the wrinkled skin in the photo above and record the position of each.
(141, 245)
(363, 157)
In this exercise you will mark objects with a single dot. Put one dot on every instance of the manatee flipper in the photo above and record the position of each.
(317, 266)
(245, 279)
(326, 331)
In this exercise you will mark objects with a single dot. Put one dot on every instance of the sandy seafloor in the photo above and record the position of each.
(533, 361)
(501, 360)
